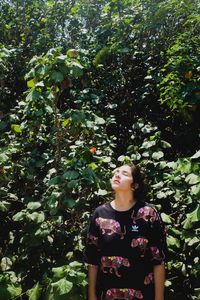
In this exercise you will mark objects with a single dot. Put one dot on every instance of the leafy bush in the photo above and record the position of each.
(84, 86)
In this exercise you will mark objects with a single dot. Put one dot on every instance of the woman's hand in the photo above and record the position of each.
(92, 297)
(92, 280)
(159, 281)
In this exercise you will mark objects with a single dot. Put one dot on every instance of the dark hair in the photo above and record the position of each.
(139, 178)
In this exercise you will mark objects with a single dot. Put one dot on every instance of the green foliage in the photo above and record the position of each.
(86, 85)
(180, 85)
(175, 189)
(9, 283)
(59, 157)
(68, 280)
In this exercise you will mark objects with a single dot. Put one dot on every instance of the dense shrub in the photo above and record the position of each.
(86, 86)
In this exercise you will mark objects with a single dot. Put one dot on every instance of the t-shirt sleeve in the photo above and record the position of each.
(92, 250)
(158, 245)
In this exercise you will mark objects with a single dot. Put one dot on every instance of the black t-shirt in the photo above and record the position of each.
(126, 245)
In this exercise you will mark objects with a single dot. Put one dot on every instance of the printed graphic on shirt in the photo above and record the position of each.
(141, 243)
(124, 294)
(156, 254)
(92, 240)
(110, 226)
(113, 263)
(148, 279)
(146, 213)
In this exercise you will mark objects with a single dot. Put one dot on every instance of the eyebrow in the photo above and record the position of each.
(115, 170)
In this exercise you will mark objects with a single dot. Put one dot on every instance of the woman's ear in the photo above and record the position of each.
(136, 186)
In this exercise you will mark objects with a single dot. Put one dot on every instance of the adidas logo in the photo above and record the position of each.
(134, 228)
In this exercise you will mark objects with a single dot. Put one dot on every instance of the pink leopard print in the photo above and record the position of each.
(148, 279)
(156, 254)
(141, 243)
(92, 239)
(109, 227)
(146, 213)
(113, 263)
(124, 294)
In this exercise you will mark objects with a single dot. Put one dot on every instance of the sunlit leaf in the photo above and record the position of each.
(35, 292)
(34, 205)
(62, 287)
(16, 128)
(192, 179)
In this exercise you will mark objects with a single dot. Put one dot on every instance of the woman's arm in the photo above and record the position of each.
(159, 281)
(92, 280)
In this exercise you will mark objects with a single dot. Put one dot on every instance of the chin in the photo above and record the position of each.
(115, 187)
(118, 189)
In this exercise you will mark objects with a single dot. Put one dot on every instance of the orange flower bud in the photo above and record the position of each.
(93, 150)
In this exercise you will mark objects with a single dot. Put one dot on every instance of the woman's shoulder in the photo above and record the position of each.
(149, 210)
(102, 207)
(147, 206)
(105, 207)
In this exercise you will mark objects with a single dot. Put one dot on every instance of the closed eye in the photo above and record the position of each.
(125, 173)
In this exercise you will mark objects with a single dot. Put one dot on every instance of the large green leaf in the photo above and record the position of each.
(59, 272)
(69, 202)
(148, 144)
(6, 263)
(31, 83)
(196, 155)
(172, 242)
(16, 128)
(3, 157)
(192, 217)
(33, 96)
(34, 205)
(192, 179)
(35, 292)
(57, 76)
(37, 217)
(9, 290)
(157, 155)
(99, 120)
(20, 216)
(101, 192)
(167, 219)
(161, 195)
(72, 184)
(3, 125)
(62, 287)
(71, 175)
(195, 189)
(4, 206)
(193, 241)
(73, 53)
(55, 180)
(77, 69)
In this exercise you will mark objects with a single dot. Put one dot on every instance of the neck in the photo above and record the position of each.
(123, 200)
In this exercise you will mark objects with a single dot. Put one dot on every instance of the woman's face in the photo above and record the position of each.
(122, 179)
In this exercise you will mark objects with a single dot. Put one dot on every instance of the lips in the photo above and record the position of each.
(116, 181)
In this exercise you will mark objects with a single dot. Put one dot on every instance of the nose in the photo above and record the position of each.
(117, 176)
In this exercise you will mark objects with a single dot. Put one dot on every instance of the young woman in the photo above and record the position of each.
(125, 248)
